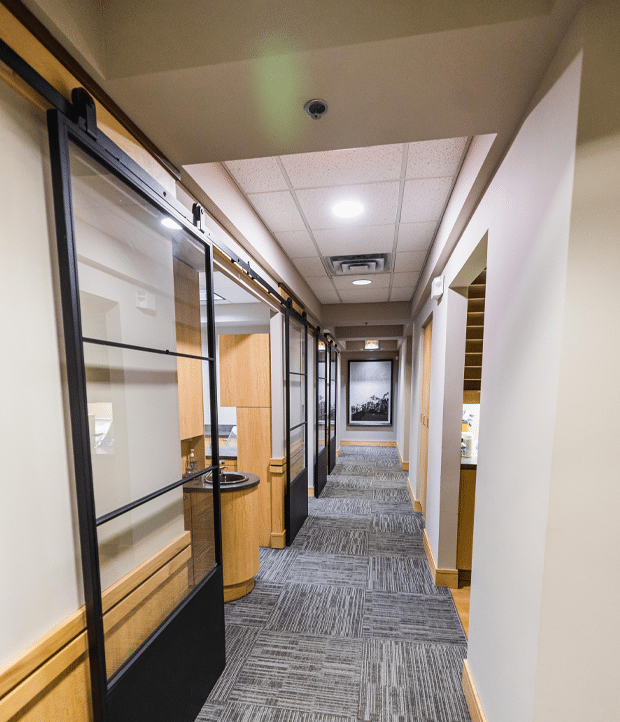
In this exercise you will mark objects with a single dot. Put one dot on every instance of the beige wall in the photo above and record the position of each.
(525, 212)
(39, 564)
(577, 668)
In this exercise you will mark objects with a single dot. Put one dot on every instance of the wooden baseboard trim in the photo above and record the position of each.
(367, 443)
(441, 577)
(415, 503)
(404, 464)
(278, 540)
(311, 491)
(471, 696)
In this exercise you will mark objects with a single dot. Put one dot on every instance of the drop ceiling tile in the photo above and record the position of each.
(401, 294)
(415, 236)
(409, 262)
(327, 296)
(359, 239)
(424, 200)
(278, 211)
(380, 201)
(344, 167)
(257, 175)
(365, 296)
(345, 283)
(310, 266)
(405, 280)
(319, 283)
(435, 158)
(296, 244)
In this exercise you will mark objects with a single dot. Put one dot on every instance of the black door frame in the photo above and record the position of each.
(333, 384)
(173, 670)
(320, 457)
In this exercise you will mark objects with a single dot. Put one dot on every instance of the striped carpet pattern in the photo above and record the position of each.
(346, 625)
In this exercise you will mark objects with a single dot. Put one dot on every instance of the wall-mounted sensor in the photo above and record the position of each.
(316, 108)
(437, 288)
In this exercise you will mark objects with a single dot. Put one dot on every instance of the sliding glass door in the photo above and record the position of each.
(137, 292)
(320, 471)
(296, 357)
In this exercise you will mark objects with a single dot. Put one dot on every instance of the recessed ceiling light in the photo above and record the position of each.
(347, 209)
(361, 282)
(169, 223)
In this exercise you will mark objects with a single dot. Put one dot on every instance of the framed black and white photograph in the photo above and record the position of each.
(370, 393)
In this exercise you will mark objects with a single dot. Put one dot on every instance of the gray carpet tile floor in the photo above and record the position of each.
(346, 625)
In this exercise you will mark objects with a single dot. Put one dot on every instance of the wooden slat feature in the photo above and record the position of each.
(465, 529)
(475, 333)
(189, 340)
(277, 469)
(441, 577)
(424, 415)
(254, 457)
(471, 397)
(471, 696)
(245, 370)
(50, 679)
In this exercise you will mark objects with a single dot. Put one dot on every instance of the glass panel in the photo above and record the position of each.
(140, 281)
(298, 451)
(296, 342)
(332, 395)
(298, 399)
(150, 559)
(134, 402)
(321, 413)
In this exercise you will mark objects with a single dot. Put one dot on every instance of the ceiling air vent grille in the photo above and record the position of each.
(361, 264)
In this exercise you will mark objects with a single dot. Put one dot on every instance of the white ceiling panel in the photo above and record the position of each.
(278, 210)
(409, 262)
(360, 239)
(327, 296)
(404, 280)
(435, 158)
(344, 167)
(319, 283)
(310, 266)
(424, 200)
(380, 202)
(401, 294)
(257, 175)
(377, 295)
(345, 283)
(296, 244)
(415, 236)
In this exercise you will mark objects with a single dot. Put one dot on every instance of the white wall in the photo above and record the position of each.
(526, 213)
(38, 535)
(577, 668)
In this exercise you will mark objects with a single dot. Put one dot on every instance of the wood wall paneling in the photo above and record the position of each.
(465, 528)
(240, 548)
(254, 456)
(278, 492)
(50, 680)
(245, 370)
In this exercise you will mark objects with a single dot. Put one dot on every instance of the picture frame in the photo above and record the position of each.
(369, 392)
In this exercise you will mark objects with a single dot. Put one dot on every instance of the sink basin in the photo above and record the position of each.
(228, 477)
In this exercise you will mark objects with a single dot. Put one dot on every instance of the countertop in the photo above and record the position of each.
(470, 462)
(199, 485)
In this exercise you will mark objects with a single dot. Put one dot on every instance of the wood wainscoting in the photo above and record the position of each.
(471, 696)
(441, 577)
(51, 681)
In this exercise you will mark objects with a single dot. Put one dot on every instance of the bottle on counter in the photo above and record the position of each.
(192, 464)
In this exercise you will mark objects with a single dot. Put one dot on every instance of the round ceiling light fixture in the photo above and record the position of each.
(361, 282)
(316, 108)
(347, 209)
(169, 223)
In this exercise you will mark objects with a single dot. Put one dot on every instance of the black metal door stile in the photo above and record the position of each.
(172, 672)
(320, 465)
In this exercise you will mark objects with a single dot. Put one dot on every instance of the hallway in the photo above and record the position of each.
(346, 624)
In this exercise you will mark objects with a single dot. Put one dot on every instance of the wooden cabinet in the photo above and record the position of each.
(245, 370)
(465, 529)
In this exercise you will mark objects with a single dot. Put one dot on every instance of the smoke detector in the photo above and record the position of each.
(316, 108)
